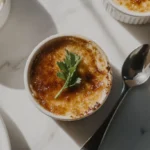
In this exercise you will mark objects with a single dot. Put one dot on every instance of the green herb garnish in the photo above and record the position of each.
(68, 72)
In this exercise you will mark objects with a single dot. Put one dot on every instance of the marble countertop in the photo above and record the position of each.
(31, 21)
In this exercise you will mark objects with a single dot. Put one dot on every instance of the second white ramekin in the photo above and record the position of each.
(125, 15)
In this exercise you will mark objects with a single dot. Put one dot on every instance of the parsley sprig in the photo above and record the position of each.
(68, 71)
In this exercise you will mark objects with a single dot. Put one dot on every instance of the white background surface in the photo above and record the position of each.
(28, 24)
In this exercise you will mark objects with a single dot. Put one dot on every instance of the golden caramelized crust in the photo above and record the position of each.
(78, 101)
(135, 5)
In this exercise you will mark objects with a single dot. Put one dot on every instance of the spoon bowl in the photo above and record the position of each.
(136, 68)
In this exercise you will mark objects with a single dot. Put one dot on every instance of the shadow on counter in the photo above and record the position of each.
(130, 129)
(27, 25)
(14, 133)
(140, 32)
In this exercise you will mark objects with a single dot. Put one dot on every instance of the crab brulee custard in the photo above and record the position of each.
(135, 5)
(70, 77)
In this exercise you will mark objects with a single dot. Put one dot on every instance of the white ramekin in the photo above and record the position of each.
(125, 15)
(4, 12)
(27, 84)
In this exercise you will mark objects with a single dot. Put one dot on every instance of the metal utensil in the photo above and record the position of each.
(135, 71)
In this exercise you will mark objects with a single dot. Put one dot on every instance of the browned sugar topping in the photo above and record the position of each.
(135, 5)
(73, 102)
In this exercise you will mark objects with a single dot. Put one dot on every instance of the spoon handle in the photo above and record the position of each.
(96, 140)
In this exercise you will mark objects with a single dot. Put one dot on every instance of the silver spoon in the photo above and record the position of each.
(135, 71)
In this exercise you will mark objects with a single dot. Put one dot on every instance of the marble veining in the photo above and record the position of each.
(30, 22)
(4, 65)
(13, 66)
